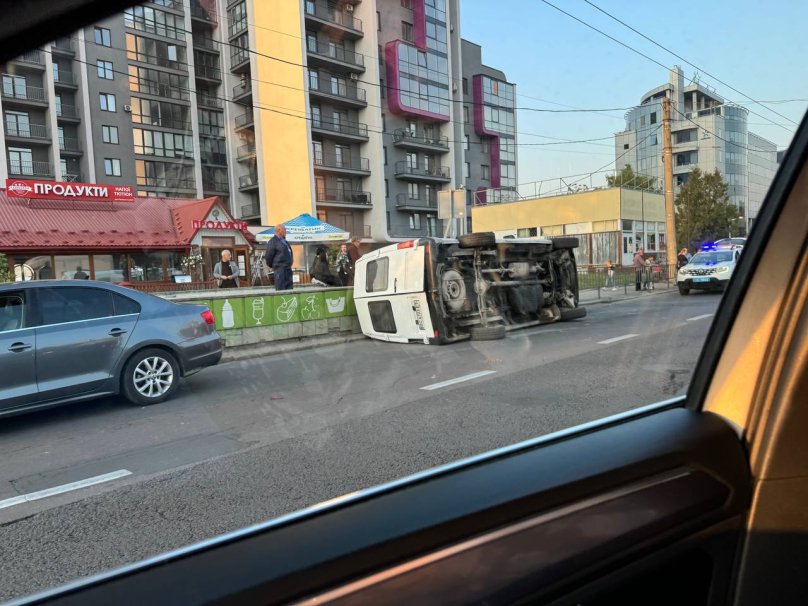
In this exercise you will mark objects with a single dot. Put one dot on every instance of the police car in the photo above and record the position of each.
(709, 269)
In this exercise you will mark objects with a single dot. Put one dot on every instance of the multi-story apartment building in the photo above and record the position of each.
(358, 111)
(707, 133)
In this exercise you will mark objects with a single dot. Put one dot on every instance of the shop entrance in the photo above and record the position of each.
(212, 253)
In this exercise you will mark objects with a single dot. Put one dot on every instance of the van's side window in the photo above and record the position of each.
(381, 315)
(377, 275)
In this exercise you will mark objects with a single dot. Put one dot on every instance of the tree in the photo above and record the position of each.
(703, 210)
(627, 178)
(5, 274)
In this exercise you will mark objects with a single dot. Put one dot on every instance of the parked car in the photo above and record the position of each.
(65, 341)
(437, 291)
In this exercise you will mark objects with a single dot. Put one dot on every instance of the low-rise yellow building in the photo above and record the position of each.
(611, 223)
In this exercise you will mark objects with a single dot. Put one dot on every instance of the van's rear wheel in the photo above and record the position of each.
(477, 240)
(565, 242)
(572, 313)
(487, 333)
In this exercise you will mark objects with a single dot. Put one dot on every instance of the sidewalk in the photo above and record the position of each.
(594, 296)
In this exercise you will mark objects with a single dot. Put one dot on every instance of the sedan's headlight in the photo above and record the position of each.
(722, 270)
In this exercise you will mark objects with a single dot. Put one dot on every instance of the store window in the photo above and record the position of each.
(32, 268)
(146, 267)
(110, 268)
(72, 267)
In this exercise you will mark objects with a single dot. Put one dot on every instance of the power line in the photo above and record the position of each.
(703, 71)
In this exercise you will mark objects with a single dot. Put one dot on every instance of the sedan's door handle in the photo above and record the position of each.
(18, 347)
(117, 332)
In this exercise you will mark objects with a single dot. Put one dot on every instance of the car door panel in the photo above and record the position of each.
(17, 352)
(659, 476)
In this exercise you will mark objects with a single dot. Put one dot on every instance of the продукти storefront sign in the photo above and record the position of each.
(222, 225)
(51, 190)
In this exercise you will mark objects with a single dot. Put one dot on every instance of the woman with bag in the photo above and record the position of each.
(320, 271)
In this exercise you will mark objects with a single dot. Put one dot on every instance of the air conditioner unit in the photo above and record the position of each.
(354, 77)
(127, 108)
(349, 8)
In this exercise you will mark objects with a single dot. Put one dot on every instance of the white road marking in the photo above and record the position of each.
(616, 339)
(49, 492)
(473, 375)
(701, 317)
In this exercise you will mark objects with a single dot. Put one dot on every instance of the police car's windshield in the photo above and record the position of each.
(712, 257)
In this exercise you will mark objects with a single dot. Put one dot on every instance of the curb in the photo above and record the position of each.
(272, 348)
(606, 299)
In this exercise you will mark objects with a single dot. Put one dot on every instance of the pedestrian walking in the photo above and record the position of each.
(353, 255)
(344, 266)
(321, 272)
(681, 259)
(279, 258)
(639, 268)
(610, 275)
(226, 271)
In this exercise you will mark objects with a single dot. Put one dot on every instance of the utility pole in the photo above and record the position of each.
(667, 163)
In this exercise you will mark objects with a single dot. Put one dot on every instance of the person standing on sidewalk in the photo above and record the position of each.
(353, 255)
(226, 271)
(649, 274)
(279, 258)
(609, 275)
(344, 265)
(639, 269)
(681, 259)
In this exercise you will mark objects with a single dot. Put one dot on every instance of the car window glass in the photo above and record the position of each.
(124, 305)
(11, 312)
(59, 305)
(377, 275)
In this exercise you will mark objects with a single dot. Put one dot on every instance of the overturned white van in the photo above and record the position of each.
(437, 291)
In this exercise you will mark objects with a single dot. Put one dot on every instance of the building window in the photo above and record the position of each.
(107, 102)
(314, 79)
(20, 161)
(642, 120)
(415, 221)
(386, 188)
(466, 114)
(378, 21)
(17, 123)
(102, 36)
(467, 170)
(406, 31)
(112, 167)
(652, 140)
(653, 117)
(104, 69)
(466, 142)
(432, 225)
(527, 232)
(316, 114)
(406, 3)
(485, 146)
(109, 134)
(465, 86)
(381, 87)
(384, 124)
(412, 191)
(317, 150)
(486, 171)
(384, 151)
(625, 145)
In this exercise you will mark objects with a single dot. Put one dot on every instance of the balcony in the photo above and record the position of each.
(432, 174)
(346, 165)
(243, 93)
(333, 56)
(65, 47)
(338, 91)
(28, 133)
(250, 211)
(208, 73)
(207, 16)
(406, 139)
(343, 198)
(33, 58)
(205, 43)
(162, 122)
(422, 203)
(213, 158)
(31, 169)
(72, 177)
(69, 147)
(65, 79)
(67, 113)
(245, 120)
(248, 182)
(170, 183)
(215, 186)
(25, 95)
(239, 60)
(350, 131)
(246, 152)
(341, 23)
(209, 101)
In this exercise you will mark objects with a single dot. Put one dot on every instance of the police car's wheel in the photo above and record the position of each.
(476, 240)
(487, 333)
(683, 290)
(572, 313)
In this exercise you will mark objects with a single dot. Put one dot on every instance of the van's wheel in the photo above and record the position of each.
(683, 290)
(572, 313)
(477, 240)
(150, 377)
(487, 333)
(565, 242)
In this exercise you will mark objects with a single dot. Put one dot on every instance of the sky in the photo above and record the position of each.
(758, 48)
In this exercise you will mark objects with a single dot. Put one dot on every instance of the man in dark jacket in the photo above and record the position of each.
(279, 259)
(353, 255)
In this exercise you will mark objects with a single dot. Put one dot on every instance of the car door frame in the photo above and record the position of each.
(26, 332)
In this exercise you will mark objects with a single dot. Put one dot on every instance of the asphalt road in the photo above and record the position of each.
(249, 440)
